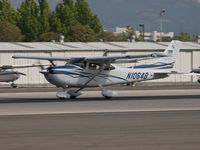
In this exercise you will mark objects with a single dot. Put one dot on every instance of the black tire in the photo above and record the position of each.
(61, 98)
(72, 97)
(108, 97)
(14, 85)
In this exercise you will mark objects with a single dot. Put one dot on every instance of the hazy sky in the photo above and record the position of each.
(181, 15)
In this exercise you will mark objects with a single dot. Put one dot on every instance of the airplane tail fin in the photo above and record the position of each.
(172, 51)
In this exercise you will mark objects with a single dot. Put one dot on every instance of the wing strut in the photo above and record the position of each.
(73, 94)
(102, 68)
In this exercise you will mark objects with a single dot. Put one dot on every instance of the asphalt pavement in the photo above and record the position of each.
(141, 120)
(171, 130)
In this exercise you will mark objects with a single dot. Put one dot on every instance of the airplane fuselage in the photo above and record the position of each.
(75, 76)
(8, 76)
(99, 71)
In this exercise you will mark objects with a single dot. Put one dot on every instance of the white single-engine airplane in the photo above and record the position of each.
(8, 74)
(82, 72)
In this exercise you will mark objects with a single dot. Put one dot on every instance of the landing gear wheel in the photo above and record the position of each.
(13, 85)
(108, 97)
(72, 97)
(108, 94)
(61, 98)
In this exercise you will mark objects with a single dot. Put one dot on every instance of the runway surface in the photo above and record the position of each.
(172, 130)
(92, 101)
(141, 120)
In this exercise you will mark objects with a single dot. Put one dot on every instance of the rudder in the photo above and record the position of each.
(172, 51)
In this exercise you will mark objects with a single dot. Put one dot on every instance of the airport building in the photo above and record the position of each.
(155, 35)
(188, 58)
(117, 30)
(148, 36)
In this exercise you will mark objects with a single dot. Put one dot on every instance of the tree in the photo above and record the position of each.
(44, 16)
(130, 32)
(194, 37)
(46, 37)
(80, 33)
(70, 4)
(29, 20)
(95, 24)
(184, 36)
(10, 33)
(86, 17)
(56, 25)
(107, 36)
(66, 15)
(7, 13)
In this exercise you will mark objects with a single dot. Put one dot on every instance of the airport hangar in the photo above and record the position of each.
(188, 58)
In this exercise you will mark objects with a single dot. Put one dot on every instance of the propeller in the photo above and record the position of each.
(45, 70)
(50, 69)
(41, 66)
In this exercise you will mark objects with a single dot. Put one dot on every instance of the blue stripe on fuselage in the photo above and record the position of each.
(69, 67)
(83, 75)
(159, 65)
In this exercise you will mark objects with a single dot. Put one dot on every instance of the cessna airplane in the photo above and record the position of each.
(82, 72)
(8, 74)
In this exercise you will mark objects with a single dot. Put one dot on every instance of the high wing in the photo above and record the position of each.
(4, 67)
(101, 59)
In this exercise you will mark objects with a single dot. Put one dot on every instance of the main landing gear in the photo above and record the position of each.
(108, 94)
(73, 94)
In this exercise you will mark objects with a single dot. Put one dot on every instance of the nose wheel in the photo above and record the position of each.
(72, 97)
(72, 94)
(107, 97)
(13, 85)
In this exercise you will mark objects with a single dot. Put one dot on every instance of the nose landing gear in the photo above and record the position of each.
(72, 94)
(14, 85)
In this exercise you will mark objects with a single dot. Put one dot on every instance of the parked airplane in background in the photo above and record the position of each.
(82, 72)
(8, 74)
(196, 71)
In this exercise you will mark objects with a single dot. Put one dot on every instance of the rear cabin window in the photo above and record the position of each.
(109, 68)
(94, 66)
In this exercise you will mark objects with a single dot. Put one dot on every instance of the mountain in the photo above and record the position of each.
(180, 16)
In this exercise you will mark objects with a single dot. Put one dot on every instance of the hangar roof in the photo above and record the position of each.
(21, 46)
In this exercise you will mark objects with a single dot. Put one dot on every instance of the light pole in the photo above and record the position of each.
(161, 23)
(142, 25)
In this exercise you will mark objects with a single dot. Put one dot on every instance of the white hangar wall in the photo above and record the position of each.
(188, 58)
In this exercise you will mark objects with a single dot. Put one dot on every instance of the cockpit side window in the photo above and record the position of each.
(82, 65)
(93, 66)
(110, 67)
